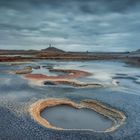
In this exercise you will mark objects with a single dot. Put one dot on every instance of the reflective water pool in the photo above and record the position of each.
(71, 118)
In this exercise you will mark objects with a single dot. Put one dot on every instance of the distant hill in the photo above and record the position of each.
(134, 53)
(138, 50)
(52, 49)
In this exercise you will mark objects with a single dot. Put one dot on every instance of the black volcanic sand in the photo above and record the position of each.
(23, 127)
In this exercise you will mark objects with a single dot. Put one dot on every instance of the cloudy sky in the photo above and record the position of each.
(73, 25)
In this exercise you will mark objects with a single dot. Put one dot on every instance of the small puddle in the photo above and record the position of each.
(68, 117)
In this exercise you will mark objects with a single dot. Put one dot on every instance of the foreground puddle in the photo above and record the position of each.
(64, 114)
(68, 117)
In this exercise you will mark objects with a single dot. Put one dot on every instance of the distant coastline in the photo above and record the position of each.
(53, 53)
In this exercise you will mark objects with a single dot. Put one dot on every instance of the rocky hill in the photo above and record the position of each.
(52, 49)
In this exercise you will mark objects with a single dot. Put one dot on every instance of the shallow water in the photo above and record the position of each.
(71, 118)
(44, 71)
(16, 96)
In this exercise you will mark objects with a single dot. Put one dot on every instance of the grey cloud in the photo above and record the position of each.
(71, 25)
(89, 6)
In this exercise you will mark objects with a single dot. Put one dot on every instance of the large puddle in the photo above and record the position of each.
(68, 117)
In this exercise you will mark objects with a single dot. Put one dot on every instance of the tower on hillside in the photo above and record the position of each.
(50, 45)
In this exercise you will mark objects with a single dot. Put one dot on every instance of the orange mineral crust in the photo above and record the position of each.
(69, 74)
(118, 118)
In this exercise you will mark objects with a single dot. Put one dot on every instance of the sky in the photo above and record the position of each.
(71, 25)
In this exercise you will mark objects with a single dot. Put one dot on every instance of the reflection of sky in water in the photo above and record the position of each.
(103, 72)
(44, 71)
(67, 117)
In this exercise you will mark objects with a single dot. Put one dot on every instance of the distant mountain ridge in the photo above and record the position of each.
(52, 49)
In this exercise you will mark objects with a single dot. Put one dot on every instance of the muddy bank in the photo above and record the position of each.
(26, 70)
(68, 73)
(118, 118)
(65, 78)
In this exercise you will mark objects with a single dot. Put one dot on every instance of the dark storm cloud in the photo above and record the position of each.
(17, 27)
(87, 6)
(70, 24)
(102, 6)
